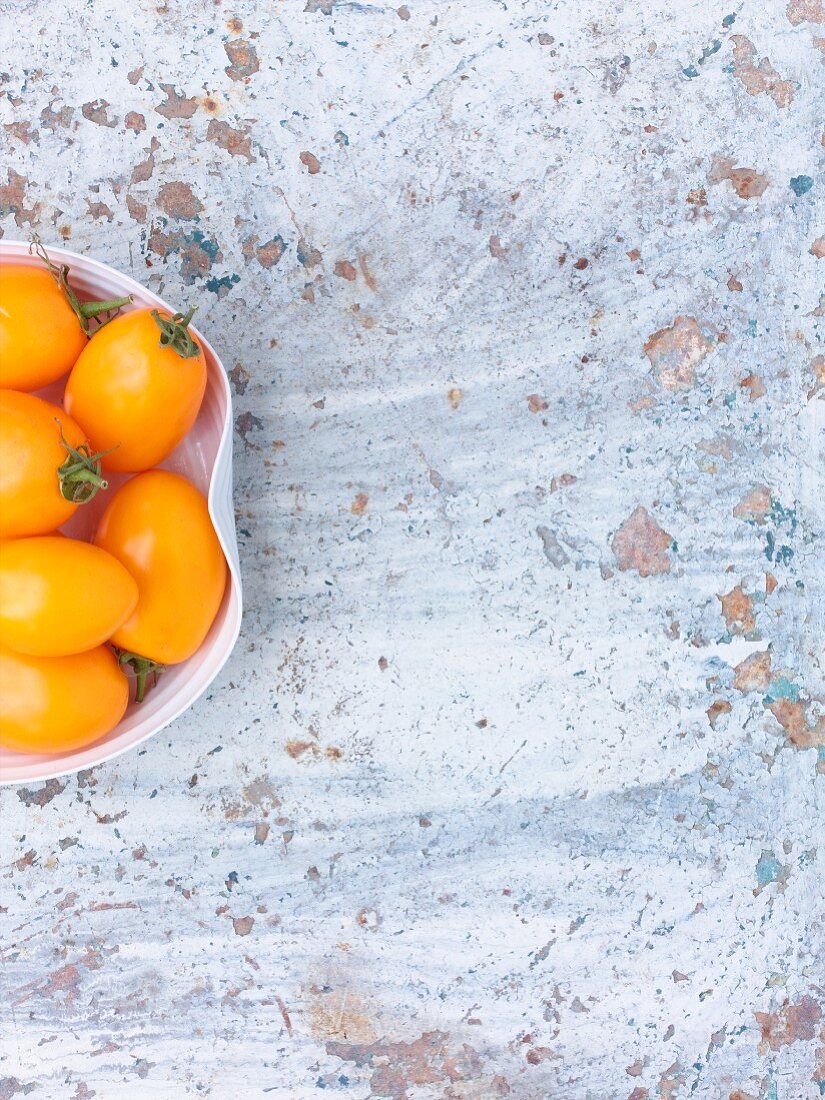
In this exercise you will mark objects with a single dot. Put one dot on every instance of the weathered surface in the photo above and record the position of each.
(515, 784)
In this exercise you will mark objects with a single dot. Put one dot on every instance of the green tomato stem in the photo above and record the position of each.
(80, 476)
(143, 668)
(175, 334)
(84, 311)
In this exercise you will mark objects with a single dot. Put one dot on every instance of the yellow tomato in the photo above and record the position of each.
(54, 704)
(60, 596)
(40, 334)
(158, 526)
(43, 326)
(137, 388)
(43, 476)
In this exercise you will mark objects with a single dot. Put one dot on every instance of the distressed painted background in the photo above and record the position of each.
(515, 784)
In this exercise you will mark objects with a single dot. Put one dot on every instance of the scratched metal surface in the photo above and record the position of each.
(515, 784)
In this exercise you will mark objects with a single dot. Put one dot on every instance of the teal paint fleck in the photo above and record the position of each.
(820, 754)
(780, 516)
(709, 51)
(782, 688)
(801, 185)
(772, 1094)
(782, 555)
(729, 400)
(752, 328)
(768, 869)
(223, 285)
(729, 20)
(209, 247)
(690, 72)
(341, 137)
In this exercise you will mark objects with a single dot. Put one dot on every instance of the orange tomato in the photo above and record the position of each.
(137, 388)
(54, 704)
(40, 334)
(60, 596)
(34, 465)
(43, 326)
(158, 526)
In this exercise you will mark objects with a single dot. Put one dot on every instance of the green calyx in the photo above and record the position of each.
(80, 476)
(142, 668)
(175, 334)
(86, 312)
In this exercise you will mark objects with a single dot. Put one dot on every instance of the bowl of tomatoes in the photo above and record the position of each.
(120, 588)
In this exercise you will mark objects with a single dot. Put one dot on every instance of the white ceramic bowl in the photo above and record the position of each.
(205, 457)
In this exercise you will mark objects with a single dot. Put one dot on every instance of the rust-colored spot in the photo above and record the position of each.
(634, 255)
(746, 182)
(761, 78)
(137, 210)
(754, 505)
(454, 397)
(581, 263)
(789, 1024)
(754, 673)
(737, 611)
(20, 130)
(697, 197)
(734, 284)
(311, 162)
(144, 169)
(536, 403)
(496, 248)
(135, 122)
(13, 197)
(716, 710)
(296, 749)
(176, 105)
(242, 925)
(803, 731)
(345, 270)
(178, 200)
(244, 424)
(235, 140)
(134, 76)
(234, 25)
(641, 544)
(41, 796)
(383, 664)
(536, 1055)
(243, 60)
(424, 1065)
(817, 365)
(806, 11)
(369, 278)
(98, 112)
(676, 351)
(754, 385)
(403, 12)
(359, 505)
(562, 481)
(771, 583)
(818, 248)
(99, 210)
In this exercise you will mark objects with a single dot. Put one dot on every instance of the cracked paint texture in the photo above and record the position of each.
(515, 783)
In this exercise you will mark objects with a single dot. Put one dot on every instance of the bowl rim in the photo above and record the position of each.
(14, 250)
